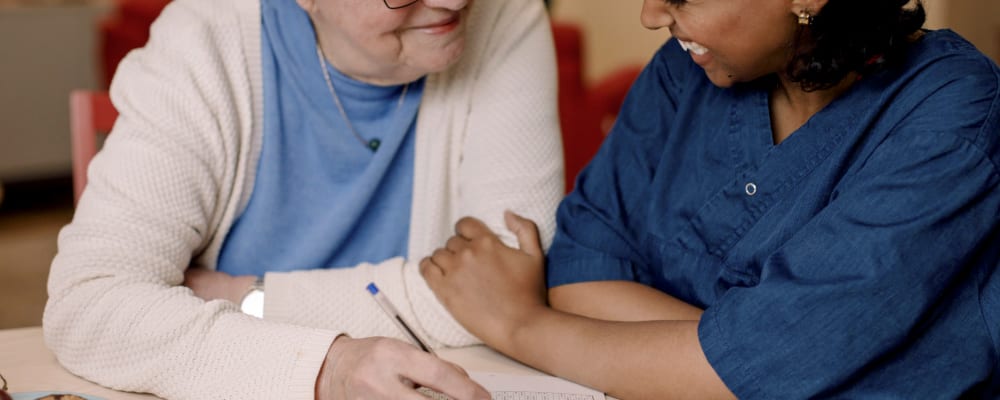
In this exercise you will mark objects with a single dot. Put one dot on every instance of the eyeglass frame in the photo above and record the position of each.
(412, 2)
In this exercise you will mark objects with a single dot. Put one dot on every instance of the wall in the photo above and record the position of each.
(47, 51)
(976, 20)
(613, 34)
(937, 12)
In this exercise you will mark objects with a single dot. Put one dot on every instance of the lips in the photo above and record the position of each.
(441, 26)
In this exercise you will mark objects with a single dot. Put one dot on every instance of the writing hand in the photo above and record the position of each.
(490, 288)
(384, 368)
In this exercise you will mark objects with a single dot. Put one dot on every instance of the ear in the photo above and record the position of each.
(812, 7)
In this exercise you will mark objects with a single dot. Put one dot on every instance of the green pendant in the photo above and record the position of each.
(373, 144)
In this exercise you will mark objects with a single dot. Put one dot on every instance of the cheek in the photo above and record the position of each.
(755, 55)
(376, 32)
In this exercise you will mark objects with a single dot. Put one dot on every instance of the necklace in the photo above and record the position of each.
(370, 144)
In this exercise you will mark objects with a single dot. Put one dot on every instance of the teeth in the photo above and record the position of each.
(698, 49)
(693, 47)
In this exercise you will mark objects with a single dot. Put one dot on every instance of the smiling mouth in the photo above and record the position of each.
(693, 47)
(442, 26)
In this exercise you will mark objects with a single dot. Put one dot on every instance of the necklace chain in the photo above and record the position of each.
(369, 144)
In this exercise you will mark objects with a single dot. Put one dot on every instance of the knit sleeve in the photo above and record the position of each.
(512, 156)
(505, 154)
(117, 313)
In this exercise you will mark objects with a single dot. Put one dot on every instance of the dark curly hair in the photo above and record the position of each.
(846, 36)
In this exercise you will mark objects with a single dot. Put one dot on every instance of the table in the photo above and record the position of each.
(29, 366)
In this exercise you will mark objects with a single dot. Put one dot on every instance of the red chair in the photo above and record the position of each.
(586, 112)
(581, 135)
(91, 116)
(124, 29)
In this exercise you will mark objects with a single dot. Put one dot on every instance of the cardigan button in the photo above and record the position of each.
(750, 188)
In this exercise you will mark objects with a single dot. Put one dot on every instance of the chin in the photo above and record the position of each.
(443, 59)
(721, 80)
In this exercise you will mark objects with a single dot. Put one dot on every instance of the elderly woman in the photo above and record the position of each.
(803, 205)
(288, 140)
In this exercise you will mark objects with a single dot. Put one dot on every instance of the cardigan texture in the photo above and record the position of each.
(179, 168)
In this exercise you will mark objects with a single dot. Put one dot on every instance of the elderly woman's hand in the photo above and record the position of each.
(214, 285)
(490, 288)
(383, 368)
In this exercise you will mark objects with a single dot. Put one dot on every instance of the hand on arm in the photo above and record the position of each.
(497, 293)
(476, 272)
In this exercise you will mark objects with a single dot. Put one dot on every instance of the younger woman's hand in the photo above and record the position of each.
(490, 288)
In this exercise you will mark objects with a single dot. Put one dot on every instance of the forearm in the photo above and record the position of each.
(116, 315)
(620, 301)
(628, 360)
(337, 299)
(153, 338)
(498, 294)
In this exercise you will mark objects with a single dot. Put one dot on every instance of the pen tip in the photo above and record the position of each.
(372, 288)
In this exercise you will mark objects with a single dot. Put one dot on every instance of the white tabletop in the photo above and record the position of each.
(29, 366)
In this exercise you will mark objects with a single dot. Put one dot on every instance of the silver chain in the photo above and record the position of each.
(374, 143)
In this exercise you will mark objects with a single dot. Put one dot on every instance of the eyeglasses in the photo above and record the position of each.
(397, 4)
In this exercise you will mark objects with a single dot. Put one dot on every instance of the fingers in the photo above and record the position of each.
(471, 228)
(430, 271)
(443, 259)
(449, 257)
(456, 244)
(445, 377)
(526, 232)
(384, 368)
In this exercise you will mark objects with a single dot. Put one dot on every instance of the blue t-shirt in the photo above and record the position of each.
(857, 259)
(322, 199)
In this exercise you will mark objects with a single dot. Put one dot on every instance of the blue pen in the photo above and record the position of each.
(393, 314)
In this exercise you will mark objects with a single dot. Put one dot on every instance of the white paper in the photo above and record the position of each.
(526, 387)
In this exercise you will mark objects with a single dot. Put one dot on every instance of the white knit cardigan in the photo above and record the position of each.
(179, 167)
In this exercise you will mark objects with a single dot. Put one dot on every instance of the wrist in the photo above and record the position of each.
(239, 286)
(525, 326)
(251, 298)
(324, 377)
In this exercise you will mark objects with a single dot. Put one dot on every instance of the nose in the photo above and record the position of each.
(656, 14)
(453, 5)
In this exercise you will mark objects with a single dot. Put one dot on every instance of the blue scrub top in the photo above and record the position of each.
(857, 259)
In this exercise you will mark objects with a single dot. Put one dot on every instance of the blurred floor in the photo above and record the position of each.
(30, 218)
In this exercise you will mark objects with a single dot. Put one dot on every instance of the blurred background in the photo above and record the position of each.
(50, 47)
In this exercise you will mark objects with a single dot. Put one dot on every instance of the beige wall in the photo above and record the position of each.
(976, 20)
(46, 52)
(614, 36)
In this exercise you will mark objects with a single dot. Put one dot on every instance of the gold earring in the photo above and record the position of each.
(805, 18)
